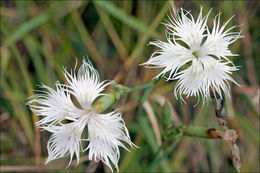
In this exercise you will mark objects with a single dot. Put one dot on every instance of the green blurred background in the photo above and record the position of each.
(38, 38)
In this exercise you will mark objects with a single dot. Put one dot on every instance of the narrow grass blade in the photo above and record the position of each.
(123, 17)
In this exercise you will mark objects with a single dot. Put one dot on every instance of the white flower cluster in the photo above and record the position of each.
(195, 56)
(66, 120)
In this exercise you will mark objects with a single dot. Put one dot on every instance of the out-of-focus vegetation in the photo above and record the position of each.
(38, 38)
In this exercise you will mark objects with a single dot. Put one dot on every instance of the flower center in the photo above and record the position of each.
(195, 54)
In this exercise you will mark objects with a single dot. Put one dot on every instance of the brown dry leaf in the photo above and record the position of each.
(236, 157)
(152, 118)
(230, 136)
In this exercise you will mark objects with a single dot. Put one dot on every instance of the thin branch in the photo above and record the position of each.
(229, 135)
(202, 132)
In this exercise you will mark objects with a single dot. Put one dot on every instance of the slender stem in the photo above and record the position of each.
(229, 135)
(163, 152)
(104, 102)
(193, 131)
(220, 110)
(109, 99)
(124, 90)
(141, 87)
(202, 132)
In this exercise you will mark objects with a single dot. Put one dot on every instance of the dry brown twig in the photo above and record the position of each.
(228, 135)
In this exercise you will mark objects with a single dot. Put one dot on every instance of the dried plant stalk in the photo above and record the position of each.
(229, 135)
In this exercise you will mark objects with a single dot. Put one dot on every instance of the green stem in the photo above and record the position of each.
(124, 90)
(202, 132)
(163, 153)
(193, 131)
(109, 99)
(141, 87)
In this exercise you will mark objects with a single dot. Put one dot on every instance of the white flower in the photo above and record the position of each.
(195, 56)
(66, 139)
(106, 132)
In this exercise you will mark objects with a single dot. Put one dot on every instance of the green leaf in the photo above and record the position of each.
(35, 22)
(166, 115)
(36, 58)
(26, 27)
(123, 17)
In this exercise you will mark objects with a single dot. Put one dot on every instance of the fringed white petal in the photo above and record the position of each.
(86, 85)
(171, 56)
(66, 140)
(106, 133)
(219, 39)
(53, 105)
(203, 75)
(182, 26)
